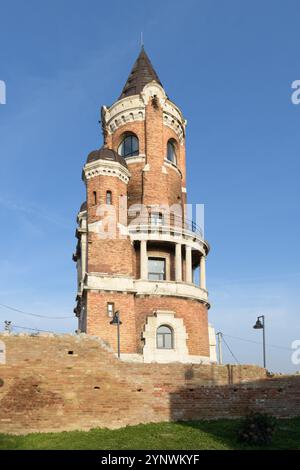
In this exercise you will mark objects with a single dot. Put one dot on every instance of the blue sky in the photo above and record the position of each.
(229, 66)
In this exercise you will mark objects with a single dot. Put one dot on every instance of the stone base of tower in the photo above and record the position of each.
(142, 316)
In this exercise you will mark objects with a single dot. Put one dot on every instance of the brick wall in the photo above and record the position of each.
(112, 255)
(55, 383)
(134, 312)
(135, 184)
(193, 313)
(160, 183)
(98, 321)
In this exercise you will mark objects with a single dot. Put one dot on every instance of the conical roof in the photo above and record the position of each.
(141, 74)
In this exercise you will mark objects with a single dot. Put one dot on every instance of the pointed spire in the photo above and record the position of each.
(141, 74)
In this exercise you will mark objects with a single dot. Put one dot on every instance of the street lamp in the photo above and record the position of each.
(116, 321)
(260, 325)
(220, 335)
(7, 326)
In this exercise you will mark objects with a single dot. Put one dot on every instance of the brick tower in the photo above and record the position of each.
(137, 251)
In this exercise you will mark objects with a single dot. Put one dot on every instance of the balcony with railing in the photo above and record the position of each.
(157, 226)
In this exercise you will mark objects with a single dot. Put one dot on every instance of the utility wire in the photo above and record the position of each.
(258, 342)
(33, 314)
(234, 357)
(31, 329)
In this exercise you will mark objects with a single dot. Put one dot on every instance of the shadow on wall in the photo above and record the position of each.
(54, 383)
(278, 396)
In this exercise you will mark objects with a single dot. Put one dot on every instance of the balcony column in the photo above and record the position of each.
(202, 272)
(178, 262)
(188, 264)
(143, 260)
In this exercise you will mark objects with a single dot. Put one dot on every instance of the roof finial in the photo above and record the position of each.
(142, 40)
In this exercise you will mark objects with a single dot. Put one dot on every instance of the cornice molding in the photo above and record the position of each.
(133, 108)
(106, 168)
(129, 285)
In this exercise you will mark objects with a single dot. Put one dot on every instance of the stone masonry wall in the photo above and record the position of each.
(55, 383)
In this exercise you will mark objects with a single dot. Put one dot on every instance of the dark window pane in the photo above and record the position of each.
(171, 155)
(129, 146)
(135, 145)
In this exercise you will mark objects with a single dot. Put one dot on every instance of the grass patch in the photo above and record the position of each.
(194, 435)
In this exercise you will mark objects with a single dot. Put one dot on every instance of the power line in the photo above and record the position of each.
(258, 342)
(234, 357)
(33, 314)
(31, 329)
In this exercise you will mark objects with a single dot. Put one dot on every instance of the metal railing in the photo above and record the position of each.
(171, 223)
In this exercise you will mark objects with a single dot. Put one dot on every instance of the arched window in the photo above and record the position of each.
(129, 146)
(108, 197)
(164, 337)
(171, 151)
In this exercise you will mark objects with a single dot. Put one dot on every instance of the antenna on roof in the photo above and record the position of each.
(142, 39)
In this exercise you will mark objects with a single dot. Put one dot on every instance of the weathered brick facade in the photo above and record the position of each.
(55, 383)
(114, 269)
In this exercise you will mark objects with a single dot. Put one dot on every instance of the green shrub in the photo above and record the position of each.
(257, 429)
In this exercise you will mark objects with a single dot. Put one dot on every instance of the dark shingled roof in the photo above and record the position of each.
(83, 207)
(141, 74)
(106, 154)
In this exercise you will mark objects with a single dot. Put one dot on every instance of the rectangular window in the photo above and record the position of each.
(156, 219)
(168, 342)
(108, 198)
(160, 342)
(156, 269)
(110, 309)
(94, 197)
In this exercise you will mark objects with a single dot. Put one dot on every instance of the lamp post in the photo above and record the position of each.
(219, 335)
(116, 321)
(260, 325)
(7, 326)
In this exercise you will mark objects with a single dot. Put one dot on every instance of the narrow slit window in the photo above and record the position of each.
(110, 309)
(94, 197)
(108, 198)
(171, 151)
